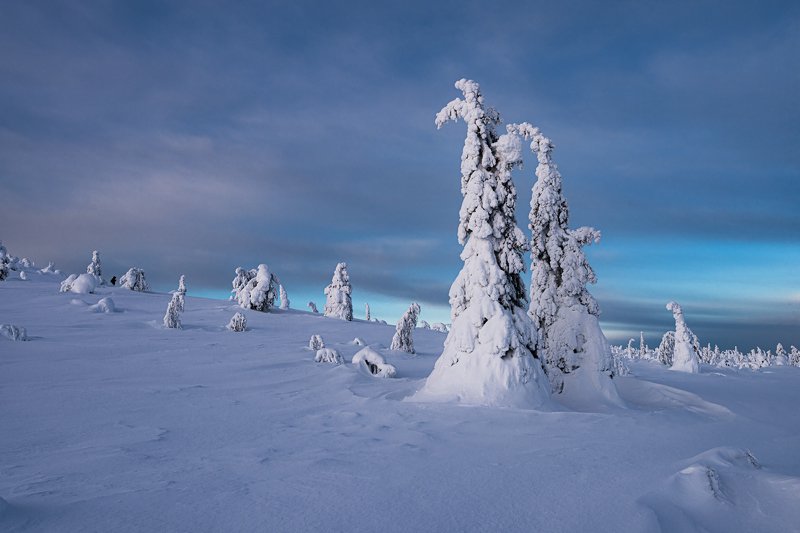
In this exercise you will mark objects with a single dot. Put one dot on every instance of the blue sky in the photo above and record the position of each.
(194, 137)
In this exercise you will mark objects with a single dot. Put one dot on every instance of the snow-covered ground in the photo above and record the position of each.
(109, 422)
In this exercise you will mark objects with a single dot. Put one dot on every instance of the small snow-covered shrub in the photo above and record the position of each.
(328, 355)
(105, 305)
(619, 364)
(403, 339)
(172, 318)
(374, 363)
(358, 342)
(134, 280)
(666, 349)
(315, 343)
(313, 307)
(438, 326)
(79, 284)
(12, 332)
(339, 303)
(238, 322)
(423, 325)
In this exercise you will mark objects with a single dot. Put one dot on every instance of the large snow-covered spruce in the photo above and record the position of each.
(565, 315)
(339, 303)
(685, 357)
(488, 355)
(403, 337)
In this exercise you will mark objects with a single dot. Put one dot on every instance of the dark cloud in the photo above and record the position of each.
(192, 137)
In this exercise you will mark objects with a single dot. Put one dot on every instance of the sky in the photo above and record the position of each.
(195, 137)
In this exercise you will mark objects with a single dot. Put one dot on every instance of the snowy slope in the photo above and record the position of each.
(108, 422)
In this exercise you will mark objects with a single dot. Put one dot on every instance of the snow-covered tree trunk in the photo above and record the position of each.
(366, 313)
(563, 311)
(284, 298)
(339, 304)
(488, 355)
(403, 337)
(685, 358)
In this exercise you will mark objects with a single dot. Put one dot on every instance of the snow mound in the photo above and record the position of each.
(655, 396)
(358, 342)
(105, 305)
(12, 332)
(328, 355)
(80, 284)
(726, 489)
(371, 361)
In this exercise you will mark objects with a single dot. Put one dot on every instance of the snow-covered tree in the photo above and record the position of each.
(95, 267)
(134, 280)
(328, 355)
(172, 317)
(284, 298)
(642, 346)
(258, 292)
(666, 349)
(780, 356)
(242, 278)
(366, 312)
(488, 355)
(339, 304)
(563, 311)
(685, 357)
(4, 261)
(12, 332)
(629, 351)
(794, 356)
(403, 338)
(182, 285)
(313, 307)
(316, 343)
(238, 323)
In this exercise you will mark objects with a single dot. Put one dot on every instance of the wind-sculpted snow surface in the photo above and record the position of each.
(113, 423)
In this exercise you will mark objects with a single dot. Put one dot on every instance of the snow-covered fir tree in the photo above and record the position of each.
(313, 307)
(685, 357)
(316, 343)
(339, 303)
(366, 312)
(403, 337)
(666, 349)
(794, 356)
(134, 280)
(172, 317)
(284, 298)
(4, 261)
(95, 267)
(242, 278)
(563, 311)
(259, 291)
(488, 355)
(642, 346)
(781, 357)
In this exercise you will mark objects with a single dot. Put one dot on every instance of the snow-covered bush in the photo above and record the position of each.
(441, 328)
(134, 279)
(794, 356)
(49, 269)
(105, 305)
(367, 316)
(374, 363)
(284, 298)
(238, 322)
(780, 358)
(403, 337)
(328, 355)
(79, 284)
(488, 355)
(685, 357)
(338, 303)
(4, 261)
(258, 292)
(172, 318)
(12, 332)
(564, 313)
(95, 267)
(313, 307)
(423, 325)
(315, 343)
(358, 341)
